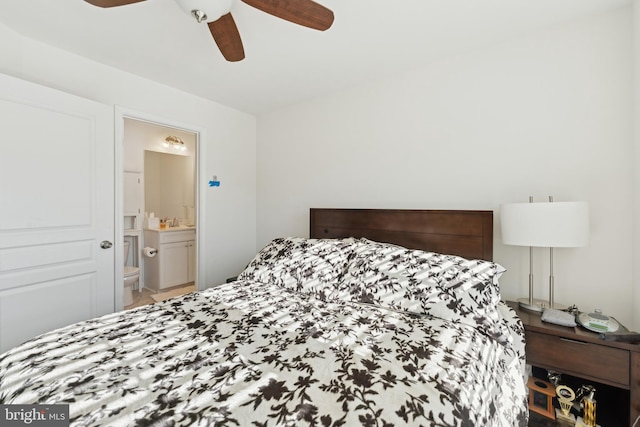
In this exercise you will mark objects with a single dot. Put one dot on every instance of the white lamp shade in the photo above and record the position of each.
(545, 224)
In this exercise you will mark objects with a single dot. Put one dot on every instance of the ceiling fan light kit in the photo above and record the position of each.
(217, 15)
(212, 10)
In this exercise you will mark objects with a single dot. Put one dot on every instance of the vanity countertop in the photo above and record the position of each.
(169, 229)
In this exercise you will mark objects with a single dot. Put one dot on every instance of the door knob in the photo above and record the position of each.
(105, 244)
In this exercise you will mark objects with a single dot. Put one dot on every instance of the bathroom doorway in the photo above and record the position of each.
(151, 153)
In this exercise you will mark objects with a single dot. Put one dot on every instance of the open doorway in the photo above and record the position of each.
(160, 228)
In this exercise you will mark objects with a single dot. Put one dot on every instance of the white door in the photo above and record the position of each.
(133, 194)
(174, 264)
(56, 209)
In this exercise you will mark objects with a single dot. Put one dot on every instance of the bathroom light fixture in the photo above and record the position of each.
(175, 142)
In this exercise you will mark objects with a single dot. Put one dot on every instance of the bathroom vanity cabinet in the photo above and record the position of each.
(174, 264)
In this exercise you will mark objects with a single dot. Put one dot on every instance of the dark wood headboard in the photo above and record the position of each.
(457, 232)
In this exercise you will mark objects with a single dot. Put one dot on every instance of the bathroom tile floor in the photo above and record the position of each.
(144, 297)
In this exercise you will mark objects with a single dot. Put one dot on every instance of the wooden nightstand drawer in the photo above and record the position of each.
(579, 353)
(597, 362)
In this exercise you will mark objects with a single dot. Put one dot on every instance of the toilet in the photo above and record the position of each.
(131, 275)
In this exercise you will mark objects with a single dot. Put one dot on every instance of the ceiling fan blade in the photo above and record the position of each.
(111, 3)
(226, 35)
(302, 12)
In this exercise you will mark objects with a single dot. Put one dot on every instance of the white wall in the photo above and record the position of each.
(547, 114)
(140, 136)
(229, 148)
(636, 160)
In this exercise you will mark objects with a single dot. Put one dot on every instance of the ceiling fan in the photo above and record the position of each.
(217, 15)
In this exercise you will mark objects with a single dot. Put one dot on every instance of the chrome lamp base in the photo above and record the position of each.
(538, 305)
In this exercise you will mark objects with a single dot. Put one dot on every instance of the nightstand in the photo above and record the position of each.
(580, 353)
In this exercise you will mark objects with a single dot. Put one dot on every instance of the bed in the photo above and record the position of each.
(379, 318)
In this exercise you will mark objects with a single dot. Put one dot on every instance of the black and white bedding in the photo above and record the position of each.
(334, 332)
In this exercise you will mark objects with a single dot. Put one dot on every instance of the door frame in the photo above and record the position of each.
(120, 114)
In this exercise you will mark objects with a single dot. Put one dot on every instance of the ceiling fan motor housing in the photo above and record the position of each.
(212, 9)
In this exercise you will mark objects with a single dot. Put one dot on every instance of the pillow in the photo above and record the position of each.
(311, 266)
(444, 286)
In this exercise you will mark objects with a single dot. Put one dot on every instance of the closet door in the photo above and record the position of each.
(56, 210)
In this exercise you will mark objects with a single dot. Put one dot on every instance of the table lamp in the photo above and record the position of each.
(544, 224)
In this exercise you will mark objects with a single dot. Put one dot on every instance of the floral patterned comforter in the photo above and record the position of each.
(250, 353)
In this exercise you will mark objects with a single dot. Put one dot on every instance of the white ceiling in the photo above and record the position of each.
(284, 63)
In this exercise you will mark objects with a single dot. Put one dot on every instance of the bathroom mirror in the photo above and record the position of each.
(169, 185)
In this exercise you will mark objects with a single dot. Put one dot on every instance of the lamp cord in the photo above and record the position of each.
(636, 421)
